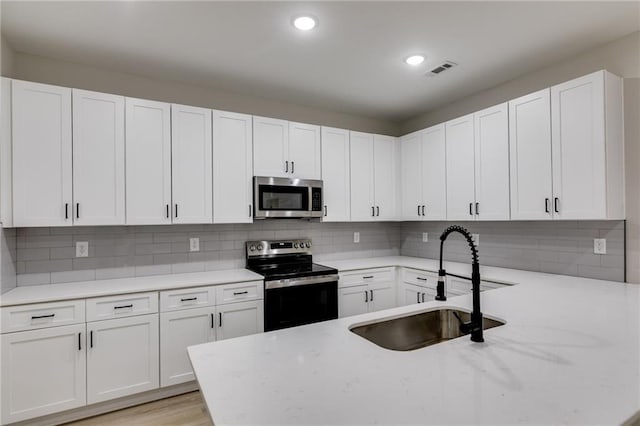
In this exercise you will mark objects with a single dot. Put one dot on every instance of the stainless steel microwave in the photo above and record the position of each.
(286, 198)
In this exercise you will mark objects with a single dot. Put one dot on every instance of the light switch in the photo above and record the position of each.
(82, 248)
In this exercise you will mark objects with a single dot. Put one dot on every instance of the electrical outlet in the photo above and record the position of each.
(82, 248)
(425, 237)
(599, 246)
(194, 244)
(476, 239)
(356, 237)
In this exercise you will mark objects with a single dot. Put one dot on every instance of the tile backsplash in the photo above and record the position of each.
(558, 247)
(47, 255)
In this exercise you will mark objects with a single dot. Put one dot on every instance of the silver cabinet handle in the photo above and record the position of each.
(366, 296)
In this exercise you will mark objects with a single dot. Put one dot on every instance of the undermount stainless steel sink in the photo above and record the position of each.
(419, 330)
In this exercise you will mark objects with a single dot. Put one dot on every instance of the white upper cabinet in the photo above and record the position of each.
(148, 159)
(191, 167)
(492, 163)
(41, 125)
(6, 197)
(362, 177)
(587, 148)
(335, 174)
(271, 147)
(98, 159)
(384, 155)
(232, 167)
(284, 149)
(530, 156)
(304, 151)
(460, 169)
(423, 174)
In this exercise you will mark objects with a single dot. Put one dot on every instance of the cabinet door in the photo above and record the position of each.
(382, 295)
(122, 358)
(304, 151)
(240, 319)
(460, 169)
(6, 187)
(353, 300)
(335, 175)
(492, 163)
(578, 148)
(530, 156)
(41, 125)
(409, 294)
(98, 159)
(232, 168)
(43, 372)
(191, 180)
(385, 177)
(271, 147)
(178, 330)
(362, 180)
(411, 175)
(434, 173)
(148, 158)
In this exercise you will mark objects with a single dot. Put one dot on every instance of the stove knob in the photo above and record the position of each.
(260, 247)
(252, 248)
(308, 244)
(295, 245)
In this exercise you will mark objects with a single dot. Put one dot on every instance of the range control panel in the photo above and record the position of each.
(266, 248)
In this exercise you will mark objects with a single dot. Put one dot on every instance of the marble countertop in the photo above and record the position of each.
(81, 290)
(569, 353)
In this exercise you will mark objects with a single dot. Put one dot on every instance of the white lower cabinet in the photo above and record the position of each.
(43, 372)
(240, 319)
(179, 330)
(122, 357)
(416, 287)
(366, 290)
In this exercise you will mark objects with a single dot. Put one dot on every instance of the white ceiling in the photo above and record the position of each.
(352, 62)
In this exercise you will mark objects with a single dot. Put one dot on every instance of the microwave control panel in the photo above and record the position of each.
(316, 199)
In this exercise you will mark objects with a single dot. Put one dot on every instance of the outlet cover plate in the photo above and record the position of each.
(476, 239)
(425, 237)
(194, 244)
(599, 246)
(356, 237)
(82, 248)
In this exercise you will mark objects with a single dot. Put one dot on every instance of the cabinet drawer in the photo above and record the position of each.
(174, 300)
(361, 276)
(239, 292)
(421, 278)
(41, 315)
(127, 305)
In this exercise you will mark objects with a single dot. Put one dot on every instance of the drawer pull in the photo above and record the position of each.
(421, 278)
(367, 277)
(123, 307)
(188, 299)
(43, 316)
(238, 293)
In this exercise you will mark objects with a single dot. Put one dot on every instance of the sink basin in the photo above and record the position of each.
(419, 330)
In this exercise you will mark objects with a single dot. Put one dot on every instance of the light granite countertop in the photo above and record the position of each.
(569, 353)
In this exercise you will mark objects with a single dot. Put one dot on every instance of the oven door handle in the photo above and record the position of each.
(292, 282)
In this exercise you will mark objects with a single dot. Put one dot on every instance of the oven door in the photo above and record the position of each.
(283, 197)
(289, 303)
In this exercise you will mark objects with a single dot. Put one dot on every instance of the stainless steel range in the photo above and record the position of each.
(297, 291)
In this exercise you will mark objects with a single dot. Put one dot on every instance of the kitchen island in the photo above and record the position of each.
(568, 353)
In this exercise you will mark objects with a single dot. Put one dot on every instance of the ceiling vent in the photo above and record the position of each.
(447, 65)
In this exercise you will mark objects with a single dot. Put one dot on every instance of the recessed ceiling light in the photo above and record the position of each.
(304, 23)
(414, 60)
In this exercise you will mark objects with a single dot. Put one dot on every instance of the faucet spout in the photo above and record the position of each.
(473, 327)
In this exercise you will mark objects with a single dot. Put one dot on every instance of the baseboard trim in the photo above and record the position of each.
(108, 406)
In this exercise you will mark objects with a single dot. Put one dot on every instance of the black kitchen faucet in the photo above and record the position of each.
(473, 327)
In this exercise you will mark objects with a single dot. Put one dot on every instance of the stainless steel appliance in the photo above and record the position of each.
(297, 291)
(286, 198)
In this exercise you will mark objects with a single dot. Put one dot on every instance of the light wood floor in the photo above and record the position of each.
(187, 409)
